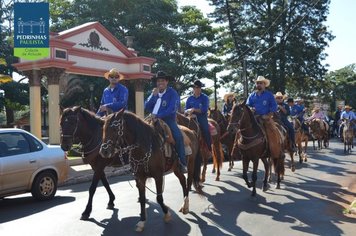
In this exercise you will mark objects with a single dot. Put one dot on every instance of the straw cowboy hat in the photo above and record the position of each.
(227, 95)
(279, 94)
(348, 107)
(264, 80)
(298, 99)
(114, 73)
(162, 75)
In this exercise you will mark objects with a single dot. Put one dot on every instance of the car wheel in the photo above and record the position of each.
(45, 186)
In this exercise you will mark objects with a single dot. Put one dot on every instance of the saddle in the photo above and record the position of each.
(168, 140)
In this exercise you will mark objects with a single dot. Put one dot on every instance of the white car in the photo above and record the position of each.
(29, 165)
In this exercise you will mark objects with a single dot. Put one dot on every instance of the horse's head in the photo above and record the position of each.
(69, 126)
(296, 123)
(216, 115)
(238, 110)
(113, 134)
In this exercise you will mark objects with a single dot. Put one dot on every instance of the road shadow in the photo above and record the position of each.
(19, 207)
(154, 223)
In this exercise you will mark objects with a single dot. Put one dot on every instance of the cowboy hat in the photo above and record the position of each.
(227, 95)
(279, 94)
(263, 79)
(114, 73)
(198, 84)
(298, 99)
(348, 107)
(162, 75)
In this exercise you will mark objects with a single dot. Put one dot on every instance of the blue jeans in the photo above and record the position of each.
(204, 126)
(178, 138)
(290, 130)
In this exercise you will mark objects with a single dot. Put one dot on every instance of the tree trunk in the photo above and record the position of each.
(10, 118)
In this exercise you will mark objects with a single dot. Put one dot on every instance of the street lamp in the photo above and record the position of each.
(91, 89)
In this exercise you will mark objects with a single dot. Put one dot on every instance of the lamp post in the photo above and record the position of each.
(91, 88)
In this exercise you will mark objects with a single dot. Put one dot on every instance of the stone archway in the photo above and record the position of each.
(88, 49)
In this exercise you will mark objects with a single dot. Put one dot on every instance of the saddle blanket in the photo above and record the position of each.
(212, 130)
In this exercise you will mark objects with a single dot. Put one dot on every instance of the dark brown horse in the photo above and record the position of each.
(81, 124)
(126, 133)
(217, 152)
(253, 146)
(226, 138)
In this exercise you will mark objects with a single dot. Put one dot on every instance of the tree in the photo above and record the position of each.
(282, 40)
(341, 85)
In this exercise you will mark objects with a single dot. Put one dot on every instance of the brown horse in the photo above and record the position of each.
(348, 136)
(126, 133)
(81, 124)
(217, 152)
(300, 137)
(319, 131)
(227, 138)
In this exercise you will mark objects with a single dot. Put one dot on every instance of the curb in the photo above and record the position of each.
(109, 172)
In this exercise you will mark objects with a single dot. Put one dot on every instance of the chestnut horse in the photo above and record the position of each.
(217, 152)
(253, 146)
(319, 131)
(226, 138)
(300, 137)
(126, 133)
(81, 124)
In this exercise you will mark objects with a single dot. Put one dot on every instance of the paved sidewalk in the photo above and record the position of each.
(80, 172)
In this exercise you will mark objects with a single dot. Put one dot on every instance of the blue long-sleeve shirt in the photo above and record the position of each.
(169, 104)
(296, 110)
(115, 99)
(201, 102)
(263, 103)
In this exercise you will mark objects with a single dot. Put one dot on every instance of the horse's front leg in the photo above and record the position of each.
(245, 163)
(141, 184)
(205, 163)
(254, 177)
(159, 189)
(92, 189)
(109, 191)
(265, 180)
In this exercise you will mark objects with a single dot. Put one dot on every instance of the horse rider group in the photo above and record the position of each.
(164, 102)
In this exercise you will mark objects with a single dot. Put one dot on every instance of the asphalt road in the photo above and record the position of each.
(310, 202)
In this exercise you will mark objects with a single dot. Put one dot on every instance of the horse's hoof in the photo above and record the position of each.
(278, 186)
(265, 188)
(202, 180)
(213, 171)
(140, 226)
(229, 169)
(293, 168)
(110, 206)
(84, 217)
(217, 179)
(167, 217)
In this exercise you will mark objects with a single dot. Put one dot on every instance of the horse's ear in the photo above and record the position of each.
(244, 102)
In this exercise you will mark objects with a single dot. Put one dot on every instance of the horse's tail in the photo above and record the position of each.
(196, 172)
(218, 154)
(278, 165)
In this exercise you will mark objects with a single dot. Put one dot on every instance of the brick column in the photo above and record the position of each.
(34, 80)
(53, 75)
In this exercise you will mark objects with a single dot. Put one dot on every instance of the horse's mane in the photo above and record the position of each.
(144, 133)
(253, 119)
(91, 118)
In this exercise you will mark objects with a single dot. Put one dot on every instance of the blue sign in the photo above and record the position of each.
(31, 30)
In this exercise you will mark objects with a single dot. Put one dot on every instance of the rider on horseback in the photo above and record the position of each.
(284, 112)
(198, 104)
(163, 103)
(298, 111)
(229, 101)
(347, 114)
(115, 96)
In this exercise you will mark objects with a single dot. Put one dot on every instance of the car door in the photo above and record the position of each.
(18, 165)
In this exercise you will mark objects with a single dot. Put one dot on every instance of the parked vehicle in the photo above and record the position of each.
(29, 165)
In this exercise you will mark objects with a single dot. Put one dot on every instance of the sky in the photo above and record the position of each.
(342, 50)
